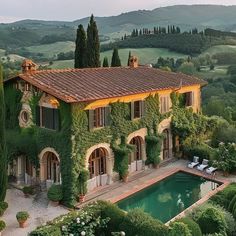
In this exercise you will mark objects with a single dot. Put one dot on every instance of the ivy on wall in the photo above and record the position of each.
(74, 138)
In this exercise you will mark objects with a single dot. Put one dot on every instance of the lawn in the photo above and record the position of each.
(145, 55)
(206, 73)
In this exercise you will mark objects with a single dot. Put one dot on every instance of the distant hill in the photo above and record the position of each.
(36, 32)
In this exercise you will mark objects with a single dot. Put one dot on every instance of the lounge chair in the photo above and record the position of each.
(194, 163)
(204, 165)
(211, 170)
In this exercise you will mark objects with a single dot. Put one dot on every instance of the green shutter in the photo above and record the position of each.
(107, 116)
(132, 110)
(143, 108)
(37, 116)
(56, 117)
(91, 119)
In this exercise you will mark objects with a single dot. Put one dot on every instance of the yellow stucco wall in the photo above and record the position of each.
(135, 97)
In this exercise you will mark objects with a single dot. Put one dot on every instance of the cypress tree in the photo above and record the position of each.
(115, 61)
(129, 58)
(105, 62)
(3, 156)
(80, 48)
(93, 44)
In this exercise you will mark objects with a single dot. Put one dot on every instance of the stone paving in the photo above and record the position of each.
(41, 212)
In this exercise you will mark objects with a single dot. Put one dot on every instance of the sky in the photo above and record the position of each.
(69, 10)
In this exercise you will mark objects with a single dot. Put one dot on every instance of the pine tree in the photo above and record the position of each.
(105, 62)
(3, 156)
(115, 61)
(129, 58)
(80, 48)
(93, 44)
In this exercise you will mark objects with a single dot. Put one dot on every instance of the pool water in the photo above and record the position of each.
(167, 198)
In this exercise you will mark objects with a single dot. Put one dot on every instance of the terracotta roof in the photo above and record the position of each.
(77, 85)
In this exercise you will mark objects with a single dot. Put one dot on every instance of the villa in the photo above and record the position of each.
(72, 114)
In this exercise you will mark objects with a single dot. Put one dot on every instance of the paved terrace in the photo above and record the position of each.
(40, 210)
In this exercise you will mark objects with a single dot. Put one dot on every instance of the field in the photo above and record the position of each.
(145, 55)
(219, 49)
(51, 50)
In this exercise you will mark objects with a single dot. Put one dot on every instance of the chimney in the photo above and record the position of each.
(133, 62)
(28, 66)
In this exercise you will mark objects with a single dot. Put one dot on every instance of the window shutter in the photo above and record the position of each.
(143, 107)
(192, 101)
(107, 116)
(132, 110)
(91, 119)
(56, 120)
(37, 116)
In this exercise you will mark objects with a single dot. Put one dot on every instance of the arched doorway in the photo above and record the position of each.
(135, 158)
(50, 167)
(98, 167)
(166, 144)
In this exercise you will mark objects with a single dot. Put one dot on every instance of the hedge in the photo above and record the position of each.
(192, 225)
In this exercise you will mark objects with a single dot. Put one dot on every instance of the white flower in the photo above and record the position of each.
(63, 228)
(78, 220)
(83, 233)
(71, 234)
(83, 223)
(122, 233)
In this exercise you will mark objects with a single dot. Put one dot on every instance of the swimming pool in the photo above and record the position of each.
(167, 198)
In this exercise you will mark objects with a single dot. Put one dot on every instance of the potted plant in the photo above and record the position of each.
(28, 190)
(82, 184)
(2, 226)
(55, 194)
(22, 217)
(3, 207)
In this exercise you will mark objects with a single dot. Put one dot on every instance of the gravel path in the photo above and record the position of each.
(38, 207)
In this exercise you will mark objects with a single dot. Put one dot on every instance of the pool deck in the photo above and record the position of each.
(138, 181)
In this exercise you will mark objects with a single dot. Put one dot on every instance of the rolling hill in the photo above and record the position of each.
(32, 32)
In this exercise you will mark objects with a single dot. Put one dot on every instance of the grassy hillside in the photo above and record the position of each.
(51, 50)
(220, 49)
(145, 55)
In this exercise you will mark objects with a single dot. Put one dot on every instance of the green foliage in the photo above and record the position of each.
(232, 204)
(93, 44)
(55, 193)
(47, 231)
(115, 60)
(187, 68)
(203, 151)
(139, 223)
(121, 153)
(212, 221)
(105, 62)
(153, 149)
(82, 182)
(22, 216)
(225, 158)
(3, 149)
(3, 205)
(179, 228)
(2, 225)
(28, 190)
(80, 48)
(192, 226)
(114, 213)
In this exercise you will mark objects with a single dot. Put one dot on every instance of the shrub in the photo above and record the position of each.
(114, 213)
(192, 225)
(55, 193)
(2, 225)
(179, 228)
(232, 204)
(47, 231)
(28, 190)
(212, 221)
(3, 205)
(22, 216)
(139, 223)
